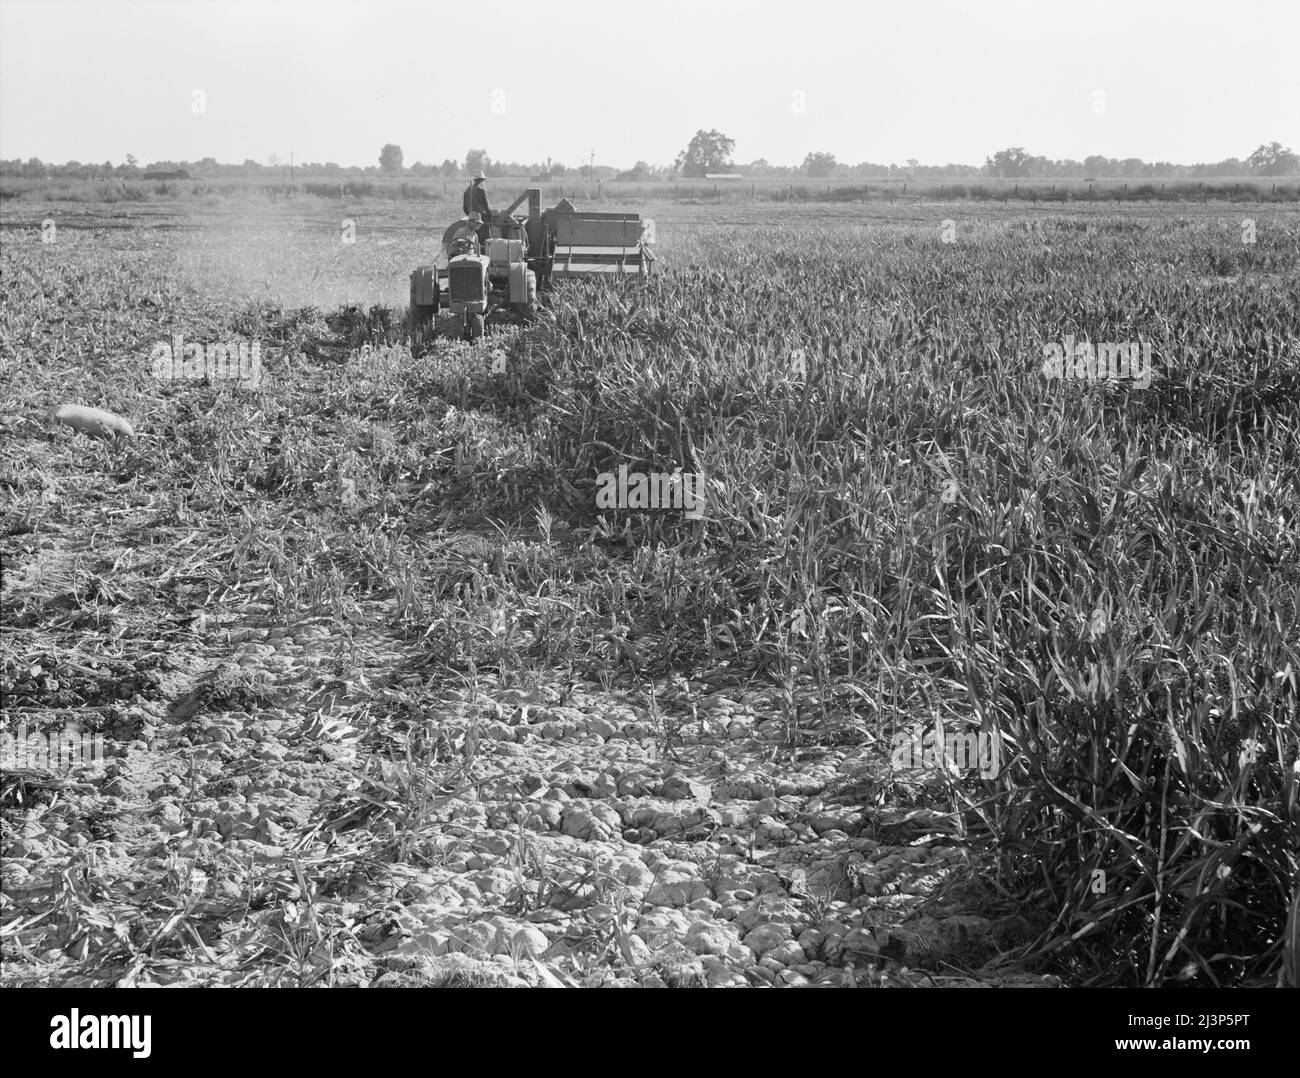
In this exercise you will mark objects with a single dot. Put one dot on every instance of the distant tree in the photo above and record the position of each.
(1273, 160)
(1009, 163)
(709, 151)
(761, 167)
(637, 173)
(476, 160)
(1036, 166)
(449, 167)
(390, 157)
(819, 165)
(558, 169)
(130, 160)
(1097, 165)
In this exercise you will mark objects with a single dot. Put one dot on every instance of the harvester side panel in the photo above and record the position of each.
(584, 232)
(587, 243)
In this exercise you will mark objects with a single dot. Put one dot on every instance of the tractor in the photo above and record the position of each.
(522, 256)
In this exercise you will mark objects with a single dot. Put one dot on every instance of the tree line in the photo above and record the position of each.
(708, 152)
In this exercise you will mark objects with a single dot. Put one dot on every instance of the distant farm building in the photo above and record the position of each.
(177, 174)
(723, 176)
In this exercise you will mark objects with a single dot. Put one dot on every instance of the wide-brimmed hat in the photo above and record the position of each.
(480, 175)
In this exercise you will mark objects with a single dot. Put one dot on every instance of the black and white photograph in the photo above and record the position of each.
(681, 495)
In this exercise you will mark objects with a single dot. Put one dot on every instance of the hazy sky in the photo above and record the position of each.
(936, 80)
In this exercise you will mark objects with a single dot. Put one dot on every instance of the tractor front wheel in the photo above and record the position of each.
(419, 327)
(474, 327)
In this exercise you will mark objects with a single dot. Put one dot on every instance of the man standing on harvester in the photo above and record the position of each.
(476, 202)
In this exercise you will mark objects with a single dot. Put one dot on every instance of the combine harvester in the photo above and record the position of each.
(524, 254)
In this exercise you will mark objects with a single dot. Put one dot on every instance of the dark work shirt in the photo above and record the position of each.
(476, 201)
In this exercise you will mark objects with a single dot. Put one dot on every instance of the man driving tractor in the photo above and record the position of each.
(475, 202)
(467, 242)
